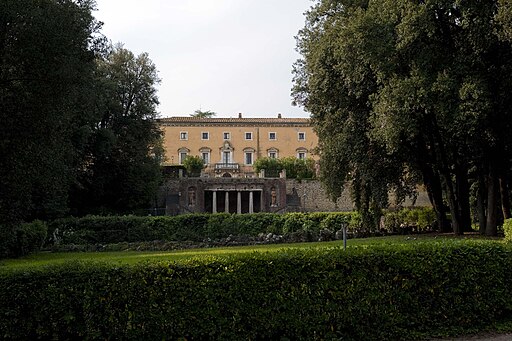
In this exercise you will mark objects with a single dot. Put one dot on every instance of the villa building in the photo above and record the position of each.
(229, 146)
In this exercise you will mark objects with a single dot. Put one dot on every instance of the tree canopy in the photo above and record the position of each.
(46, 71)
(78, 128)
(203, 114)
(121, 170)
(407, 92)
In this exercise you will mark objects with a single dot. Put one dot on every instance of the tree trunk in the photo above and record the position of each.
(505, 198)
(435, 194)
(463, 197)
(454, 207)
(481, 203)
(491, 228)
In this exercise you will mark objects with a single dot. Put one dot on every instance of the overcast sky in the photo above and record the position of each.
(228, 56)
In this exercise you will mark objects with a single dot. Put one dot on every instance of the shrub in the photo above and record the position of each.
(193, 165)
(409, 220)
(377, 293)
(30, 237)
(193, 227)
(335, 221)
(507, 229)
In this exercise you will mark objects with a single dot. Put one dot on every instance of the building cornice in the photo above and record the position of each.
(233, 122)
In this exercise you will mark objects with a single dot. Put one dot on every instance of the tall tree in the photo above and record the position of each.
(203, 114)
(335, 84)
(436, 75)
(121, 171)
(47, 51)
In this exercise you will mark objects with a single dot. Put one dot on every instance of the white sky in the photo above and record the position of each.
(228, 56)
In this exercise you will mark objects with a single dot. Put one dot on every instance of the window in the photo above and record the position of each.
(226, 157)
(183, 135)
(248, 136)
(183, 156)
(248, 158)
(205, 153)
(226, 136)
(273, 153)
(272, 136)
(205, 135)
(302, 136)
(301, 153)
(206, 157)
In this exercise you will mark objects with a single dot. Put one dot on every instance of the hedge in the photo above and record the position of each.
(378, 293)
(200, 227)
(507, 229)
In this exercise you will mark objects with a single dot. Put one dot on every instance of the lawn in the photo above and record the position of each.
(133, 257)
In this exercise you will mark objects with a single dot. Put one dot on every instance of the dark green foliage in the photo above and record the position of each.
(46, 67)
(30, 237)
(380, 293)
(403, 92)
(201, 227)
(120, 170)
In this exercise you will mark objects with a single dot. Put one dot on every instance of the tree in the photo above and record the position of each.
(46, 67)
(203, 114)
(335, 84)
(298, 168)
(272, 166)
(415, 89)
(121, 169)
(193, 165)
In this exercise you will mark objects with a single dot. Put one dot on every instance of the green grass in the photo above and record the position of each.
(133, 257)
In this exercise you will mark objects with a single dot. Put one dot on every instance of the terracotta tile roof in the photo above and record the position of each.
(232, 121)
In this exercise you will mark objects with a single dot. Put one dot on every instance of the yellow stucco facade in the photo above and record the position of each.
(233, 144)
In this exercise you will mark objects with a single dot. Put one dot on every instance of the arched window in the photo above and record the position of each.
(205, 153)
(273, 153)
(301, 153)
(249, 156)
(182, 154)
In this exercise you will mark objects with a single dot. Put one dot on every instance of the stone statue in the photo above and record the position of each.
(191, 197)
(273, 197)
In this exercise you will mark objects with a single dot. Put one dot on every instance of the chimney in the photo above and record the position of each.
(239, 115)
(279, 115)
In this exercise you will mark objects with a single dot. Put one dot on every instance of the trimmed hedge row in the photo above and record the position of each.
(395, 292)
(199, 227)
(507, 230)
(22, 239)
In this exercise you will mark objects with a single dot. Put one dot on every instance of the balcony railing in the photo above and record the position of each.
(227, 166)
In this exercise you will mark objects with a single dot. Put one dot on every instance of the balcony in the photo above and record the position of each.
(227, 166)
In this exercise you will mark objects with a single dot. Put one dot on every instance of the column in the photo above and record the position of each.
(226, 203)
(251, 202)
(214, 205)
(239, 202)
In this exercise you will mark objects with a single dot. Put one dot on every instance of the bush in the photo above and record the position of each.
(507, 229)
(377, 293)
(193, 165)
(409, 220)
(194, 227)
(30, 237)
